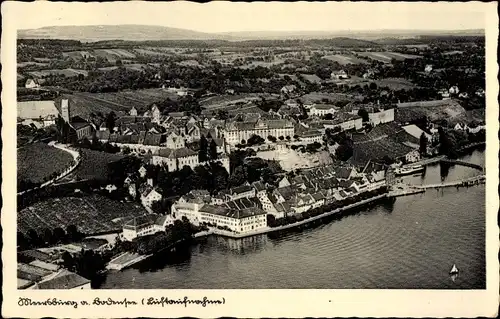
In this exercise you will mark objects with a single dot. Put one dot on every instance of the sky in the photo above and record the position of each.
(221, 16)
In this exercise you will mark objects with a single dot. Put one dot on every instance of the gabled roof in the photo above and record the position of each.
(141, 221)
(241, 189)
(259, 186)
(63, 280)
(176, 153)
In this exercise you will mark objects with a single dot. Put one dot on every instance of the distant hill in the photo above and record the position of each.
(114, 32)
(133, 32)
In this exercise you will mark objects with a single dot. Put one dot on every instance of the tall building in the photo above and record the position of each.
(65, 110)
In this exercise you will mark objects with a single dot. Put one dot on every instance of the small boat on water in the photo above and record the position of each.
(408, 170)
(454, 270)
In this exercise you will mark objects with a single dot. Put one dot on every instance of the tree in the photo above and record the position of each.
(203, 151)
(288, 138)
(281, 138)
(345, 150)
(213, 150)
(423, 144)
(22, 241)
(59, 235)
(47, 236)
(364, 115)
(34, 239)
(255, 140)
(157, 207)
(72, 233)
(111, 121)
(271, 138)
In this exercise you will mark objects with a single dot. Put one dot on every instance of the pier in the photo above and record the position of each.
(455, 162)
(476, 180)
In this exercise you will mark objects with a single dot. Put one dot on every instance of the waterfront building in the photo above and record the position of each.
(145, 225)
(189, 206)
(239, 221)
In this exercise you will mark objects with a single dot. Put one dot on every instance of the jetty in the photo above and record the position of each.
(404, 190)
(455, 162)
(476, 180)
(125, 260)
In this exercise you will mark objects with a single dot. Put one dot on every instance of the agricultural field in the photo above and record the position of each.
(150, 52)
(84, 103)
(94, 165)
(386, 57)
(318, 97)
(37, 162)
(313, 78)
(377, 150)
(433, 110)
(345, 59)
(77, 55)
(65, 72)
(384, 140)
(395, 83)
(224, 101)
(255, 64)
(25, 64)
(92, 214)
(192, 63)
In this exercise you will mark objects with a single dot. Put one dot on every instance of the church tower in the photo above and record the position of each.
(65, 110)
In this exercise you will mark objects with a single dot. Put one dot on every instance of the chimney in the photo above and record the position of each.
(150, 182)
(65, 110)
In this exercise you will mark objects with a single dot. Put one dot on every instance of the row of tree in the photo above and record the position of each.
(47, 237)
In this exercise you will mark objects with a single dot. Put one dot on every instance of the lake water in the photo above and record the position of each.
(410, 242)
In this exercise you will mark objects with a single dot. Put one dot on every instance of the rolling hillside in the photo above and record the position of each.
(131, 32)
(114, 32)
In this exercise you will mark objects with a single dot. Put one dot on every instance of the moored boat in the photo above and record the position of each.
(409, 170)
(454, 270)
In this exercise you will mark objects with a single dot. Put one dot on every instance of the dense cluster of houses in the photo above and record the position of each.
(244, 209)
(37, 269)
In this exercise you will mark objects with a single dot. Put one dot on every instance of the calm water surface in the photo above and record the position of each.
(411, 242)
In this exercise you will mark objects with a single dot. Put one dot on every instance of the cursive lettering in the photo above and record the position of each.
(165, 301)
(111, 302)
(23, 302)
